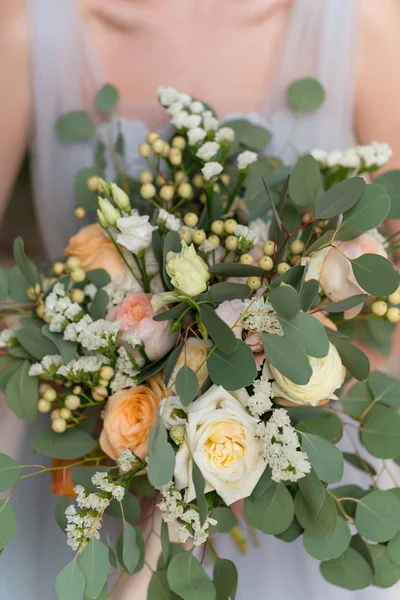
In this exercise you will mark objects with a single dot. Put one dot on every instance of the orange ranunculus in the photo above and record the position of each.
(129, 417)
(61, 479)
(95, 250)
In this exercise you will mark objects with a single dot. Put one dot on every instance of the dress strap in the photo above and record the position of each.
(320, 42)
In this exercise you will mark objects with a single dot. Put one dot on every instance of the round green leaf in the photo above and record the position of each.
(326, 459)
(371, 209)
(393, 549)
(285, 300)
(8, 523)
(292, 532)
(270, 507)
(225, 579)
(287, 357)
(306, 331)
(375, 274)
(17, 284)
(70, 583)
(308, 293)
(186, 385)
(3, 285)
(313, 492)
(75, 126)
(161, 462)
(226, 520)
(350, 571)
(130, 506)
(357, 399)
(385, 389)
(386, 573)
(22, 393)
(235, 370)
(342, 305)
(9, 472)
(322, 523)
(219, 292)
(352, 358)
(59, 513)
(236, 270)
(73, 443)
(391, 182)
(339, 198)
(326, 547)
(107, 99)
(130, 548)
(218, 330)
(328, 426)
(187, 578)
(380, 432)
(378, 516)
(158, 587)
(25, 265)
(305, 184)
(99, 305)
(306, 94)
(359, 463)
(94, 563)
(34, 342)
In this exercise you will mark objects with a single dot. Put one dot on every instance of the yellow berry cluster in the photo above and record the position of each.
(380, 308)
(73, 267)
(266, 263)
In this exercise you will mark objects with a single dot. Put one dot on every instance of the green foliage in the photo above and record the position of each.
(158, 587)
(386, 573)
(107, 99)
(130, 548)
(342, 305)
(99, 305)
(291, 277)
(359, 463)
(82, 475)
(306, 94)
(324, 240)
(326, 459)
(321, 523)
(199, 486)
(94, 563)
(3, 285)
(22, 393)
(287, 357)
(352, 357)
(75, 126)
(218, 330)
(391, 182)
(308, 294)
(9, 472)
(270, 507)
(332, 545)
(305, 182)
(350, 571)
(225, 579)
(59, 513)
(70, 582)
(293, 532)
(187, 578)
(306, 331)
(83, 196)
(328, 426)
(226, 520)
(248, 135)
(153, 368)
(35, 343)
(99, 277)
(8, 366)
(130, 507)
(161, 462)
(8, 523)
(378, 516)
(171, 243)
(186, 385)
(17, 285)
(371, 209)
(313, 492)
(219, 292)
(25, 265)
(285, 301)
(375, 274)
(393, 549)
(385, 389)
(172, 360)
(236, 270)
(235, 370)
(66, 348)
(165, 543)
(340, 198)
(380, 432)
(73, 443)
(357, 399)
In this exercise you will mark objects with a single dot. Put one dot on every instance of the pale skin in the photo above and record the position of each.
(150, 31)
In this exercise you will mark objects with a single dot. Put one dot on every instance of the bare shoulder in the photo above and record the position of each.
(14, 22)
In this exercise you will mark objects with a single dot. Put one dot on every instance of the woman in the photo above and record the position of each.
(240, 57)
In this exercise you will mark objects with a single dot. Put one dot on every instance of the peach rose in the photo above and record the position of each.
(95, 250)
(135, 313)
(129, 417)
(334, 271)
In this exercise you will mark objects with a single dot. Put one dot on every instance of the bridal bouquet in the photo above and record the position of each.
(201, 350)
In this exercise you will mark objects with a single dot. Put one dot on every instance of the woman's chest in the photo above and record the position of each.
(222, 51)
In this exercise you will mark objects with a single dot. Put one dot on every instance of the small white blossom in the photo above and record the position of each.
(320, 156)
(73, 311)
(207, 151)
(281, 448)
(210, 123)
(196, 135)
(172, 411)
(135, 232)
(47, 367)
(167, 95)
(90, 290)
(73, 330)
(7, 337)
(169, 221)
(225, 134)
(185, 99)
(211, 169)
(101, 480)
(193, 121)
(132, 338)
(260, 401)
(246, 158)
(125, 460)
(99, 335)
(259, 315)
(260, 229)
(206, 247)
(125, 363)
(175, 108)
(180, 119)
(241, 231)
(82, 368)
(121, 382)
(196, 107)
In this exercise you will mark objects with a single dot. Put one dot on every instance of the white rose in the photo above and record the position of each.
(208, 150)
(188, 271)
(327, 374)
(135, 232)
(246, 158)
(211, 169)
(195, 135)
(221, 439)
(172, 411)
(225, 134)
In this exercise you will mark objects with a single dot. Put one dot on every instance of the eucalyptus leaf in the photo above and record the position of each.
(161, 462)
(98, 305)
(305, 184)
(84, 197)
(313, 492)
(390, 180)
(171, 243)
(158, 587)
(371, 209)
(17, 285)
(153, 368)
(219, 292)
(22, 393)
(357, 399)
(308, 332)
(107, 99)
(287, 357)
(375, 274)
(306, 94)
(293, 532)
(324, 240)
(67, 349)
(165, 543)
(352, 357)
(225, 579)
(3, 285)
(380, 432)
(386, 573)
(33, 341)
(59, 513)
(378, 516)
(70, 583)
(8, 523)
(75, 126)
(308, 294)
(9, 472)
(326, 459)
(385, 389)
(187, 578)
(219, 331)
(199, 486)
(359, 463)
(186, 385)
(234, 370)
(328, 426)
(172, 360)
(322, 523)
(291, 277)
(73, 443)
(350, 571)
(236, 270)
(226, 520)
(93, 560)
(346, 304)
(248, 134)
(8, 366)
(25, 265)
(332, 545)
(130, 548)
(99, 277)
(393, 549)
(285, 301)
(130, 508)
(339, 198)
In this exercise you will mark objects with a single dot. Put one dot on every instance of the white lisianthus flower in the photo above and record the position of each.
(175, 108)
(193, 121)
(196, 135)
(135, 232)
(246, 158)
(207, 151)
(196, 107)
(168, 220)
(211, 169)
(167, 95)
(7, 336)
(179, 120)
(184, 98)
(210, 123)
(172, 411)
(225, 134)
(188, 271)
(327, 376)
(221, 439)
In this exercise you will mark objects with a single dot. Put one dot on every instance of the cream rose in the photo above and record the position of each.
(188, 271)
(221, 439)
(334, 272)
(327, 373)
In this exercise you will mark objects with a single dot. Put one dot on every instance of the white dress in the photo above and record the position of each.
(320, 43)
